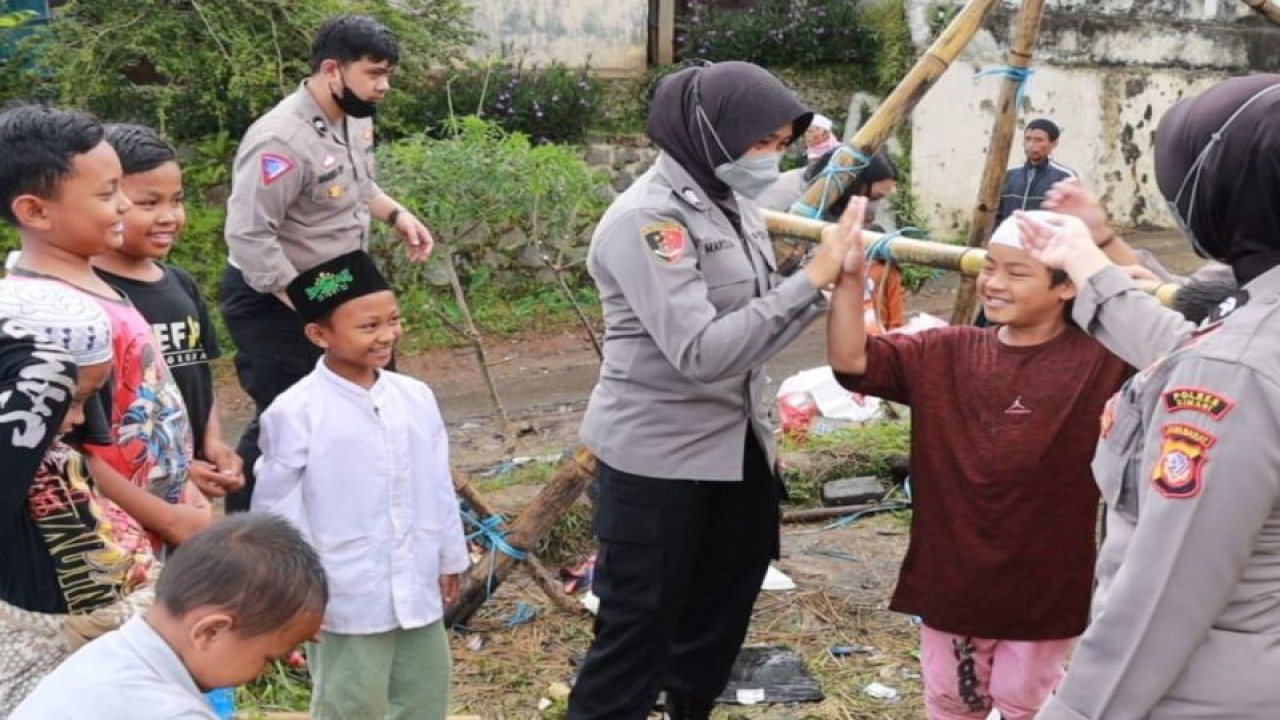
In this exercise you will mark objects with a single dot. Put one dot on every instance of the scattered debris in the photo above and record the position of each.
(777, 674)
(880, 691)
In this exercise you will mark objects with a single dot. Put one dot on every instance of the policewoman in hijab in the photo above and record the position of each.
(1186, 616)
(687, 510)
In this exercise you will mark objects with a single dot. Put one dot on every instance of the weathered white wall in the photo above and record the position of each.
(611, 34)
(1106, 70)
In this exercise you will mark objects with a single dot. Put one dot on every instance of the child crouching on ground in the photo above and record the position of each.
(236, 596)
(357, 457)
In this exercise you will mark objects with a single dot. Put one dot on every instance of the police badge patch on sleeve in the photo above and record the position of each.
(1204, 401)
(274, 167)
(666, 240)
(1183, 455)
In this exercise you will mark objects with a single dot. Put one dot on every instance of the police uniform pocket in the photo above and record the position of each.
(730, 280)
(629, 562)
(1118, 457)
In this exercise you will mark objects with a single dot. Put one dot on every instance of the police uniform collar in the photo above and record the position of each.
(315, 115)
(682, 184)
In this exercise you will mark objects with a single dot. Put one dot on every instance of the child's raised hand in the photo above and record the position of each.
(449, 589)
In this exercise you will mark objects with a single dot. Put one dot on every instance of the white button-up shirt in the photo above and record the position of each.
(127, 674)
(364, 474)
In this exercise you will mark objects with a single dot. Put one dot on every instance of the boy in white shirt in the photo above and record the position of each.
(243, 592)
(357, 457)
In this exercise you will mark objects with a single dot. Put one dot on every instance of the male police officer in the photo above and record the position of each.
(302, 193)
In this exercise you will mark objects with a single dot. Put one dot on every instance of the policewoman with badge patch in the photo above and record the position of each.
(1186, 616)
(687, 510)
(303, 193)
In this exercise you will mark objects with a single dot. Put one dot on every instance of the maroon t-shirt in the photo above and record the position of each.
(1004, 503)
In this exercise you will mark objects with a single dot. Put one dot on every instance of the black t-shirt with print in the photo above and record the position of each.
(37, 381)
(180, 322)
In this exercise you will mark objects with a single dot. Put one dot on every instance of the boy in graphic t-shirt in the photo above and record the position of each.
(1004, 421)
(167, 296)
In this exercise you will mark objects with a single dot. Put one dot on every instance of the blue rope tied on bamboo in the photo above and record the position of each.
(879, 248)
(828, 176)
(1016, 74)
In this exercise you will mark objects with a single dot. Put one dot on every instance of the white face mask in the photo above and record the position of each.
(751, 175)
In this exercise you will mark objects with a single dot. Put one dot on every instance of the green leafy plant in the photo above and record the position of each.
(776, 32)
(549, 104)
(503, 212)
(198, 67)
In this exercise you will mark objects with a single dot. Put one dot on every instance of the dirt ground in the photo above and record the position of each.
(844, 576)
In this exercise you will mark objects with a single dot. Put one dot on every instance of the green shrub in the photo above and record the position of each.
(776, 32)
(551, 104)
(197, 68)
(504, 213)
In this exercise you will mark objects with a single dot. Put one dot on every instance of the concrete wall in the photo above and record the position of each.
(611, 34)
(1106, 70)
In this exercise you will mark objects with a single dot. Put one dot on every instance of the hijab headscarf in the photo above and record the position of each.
(1232, 198)
(878, 168)
(740, 103)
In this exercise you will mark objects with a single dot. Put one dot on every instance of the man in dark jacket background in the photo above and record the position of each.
(1025, 186)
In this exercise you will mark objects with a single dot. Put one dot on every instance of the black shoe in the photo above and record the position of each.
(682, 707)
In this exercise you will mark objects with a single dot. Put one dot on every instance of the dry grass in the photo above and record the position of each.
(518, 666)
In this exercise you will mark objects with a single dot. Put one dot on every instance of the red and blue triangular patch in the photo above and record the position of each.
(274, 167)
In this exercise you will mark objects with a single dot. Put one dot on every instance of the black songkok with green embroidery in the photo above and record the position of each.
(320, 290)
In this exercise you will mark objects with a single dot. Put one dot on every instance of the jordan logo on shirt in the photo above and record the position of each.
(1017, 408)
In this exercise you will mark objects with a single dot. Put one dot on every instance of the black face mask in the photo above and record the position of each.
(352, 104)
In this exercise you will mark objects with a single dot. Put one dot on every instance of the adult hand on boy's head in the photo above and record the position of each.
(1071, 197)
(1060, 241)
(449, 589)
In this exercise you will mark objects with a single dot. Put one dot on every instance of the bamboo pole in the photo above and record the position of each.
(880, 126)
(532, 563)
(533, 522)
(1026, 30)
(965, 260)
(1266, 8)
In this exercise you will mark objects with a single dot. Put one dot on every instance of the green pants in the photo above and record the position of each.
(396, 675)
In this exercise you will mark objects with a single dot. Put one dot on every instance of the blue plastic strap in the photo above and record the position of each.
(489, 533)
(828, 176)
(1018, 75)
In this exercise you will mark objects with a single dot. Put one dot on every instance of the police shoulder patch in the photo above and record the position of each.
(666, 240)
(1200, 400)
(274, 167)
(1183, 455)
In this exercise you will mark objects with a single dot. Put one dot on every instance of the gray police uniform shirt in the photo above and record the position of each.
(300, 189)
(692, 310)
(1186, 613)
(127, 674)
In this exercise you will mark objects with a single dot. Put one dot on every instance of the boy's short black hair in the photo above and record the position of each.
(1197, 300)
(140, 148)
(348, 38)
(38, 145)
(255, 565)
